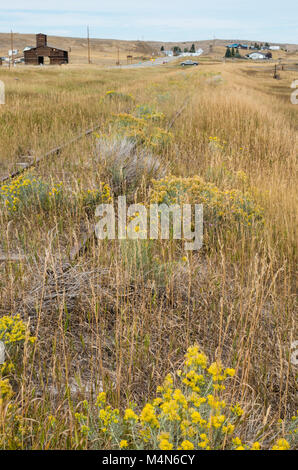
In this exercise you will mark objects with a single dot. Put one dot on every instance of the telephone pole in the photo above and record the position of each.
(88, 43)
(11, 46)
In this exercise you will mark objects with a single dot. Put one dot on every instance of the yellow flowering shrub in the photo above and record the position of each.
(5, 390)
(113, 94)
(281, 444)
(14, 330)
(26, 191)
(216, 143)
(143, 126)
(187, 413)
(13, 333)
(219, 205)
(91, 197)
(148, 113)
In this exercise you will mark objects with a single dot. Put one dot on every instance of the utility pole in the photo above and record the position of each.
(11, 46)
(88, 43)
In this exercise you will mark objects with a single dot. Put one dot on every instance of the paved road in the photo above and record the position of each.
(148, 63)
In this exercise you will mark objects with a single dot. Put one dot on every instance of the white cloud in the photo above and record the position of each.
(155, 19)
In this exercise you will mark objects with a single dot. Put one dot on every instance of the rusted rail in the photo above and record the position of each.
(81, 245)
(51, 152)
(179, 112)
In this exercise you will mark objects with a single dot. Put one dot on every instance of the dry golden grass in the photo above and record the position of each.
(122, 315)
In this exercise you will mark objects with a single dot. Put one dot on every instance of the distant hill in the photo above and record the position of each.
(106, 50)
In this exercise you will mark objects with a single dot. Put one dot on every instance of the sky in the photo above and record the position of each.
(160, 20)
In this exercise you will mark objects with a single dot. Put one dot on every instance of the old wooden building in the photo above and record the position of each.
(44, 54)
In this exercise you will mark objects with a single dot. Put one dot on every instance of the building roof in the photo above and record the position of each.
(45, 47)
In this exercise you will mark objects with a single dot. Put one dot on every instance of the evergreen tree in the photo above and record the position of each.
(193, 48)
(176, 50)
(228, 52)
(233, 52)
(162, 48)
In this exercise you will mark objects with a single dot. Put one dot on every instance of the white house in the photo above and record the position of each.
(194, 54)
(256, 56)
(274, 48)
(184, 54)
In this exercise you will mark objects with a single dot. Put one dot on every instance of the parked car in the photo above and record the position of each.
(189, 62)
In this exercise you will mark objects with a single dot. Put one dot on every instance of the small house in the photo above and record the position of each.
(256, 56)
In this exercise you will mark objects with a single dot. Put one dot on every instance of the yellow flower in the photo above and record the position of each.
(230, 372)
(52, 420)
(5, 390)
(186, 445)
(130, 414)
(281, 444)
(237, 410)
(123, 444)
(195, 357)
(101, 399)
(163, 436)
(165, 445)
(148, 416)
(237, 441)
(229, 428)
(256, 446)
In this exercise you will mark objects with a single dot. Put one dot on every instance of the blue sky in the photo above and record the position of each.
(163, 20)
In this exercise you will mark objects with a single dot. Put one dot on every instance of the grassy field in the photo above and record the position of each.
(105, 328)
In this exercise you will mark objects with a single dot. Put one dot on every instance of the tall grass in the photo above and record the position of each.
(120, 317)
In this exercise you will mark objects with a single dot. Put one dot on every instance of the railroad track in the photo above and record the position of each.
(83, 242)
(54, 151)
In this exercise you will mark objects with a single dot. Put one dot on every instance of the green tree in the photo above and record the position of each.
(233, 52)
(162, 48)
(176, 50)
(228, 52)
(193, 48)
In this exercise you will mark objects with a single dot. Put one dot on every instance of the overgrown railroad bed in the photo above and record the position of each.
(119, 316)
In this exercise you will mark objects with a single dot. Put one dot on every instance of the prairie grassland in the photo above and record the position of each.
(120, 316)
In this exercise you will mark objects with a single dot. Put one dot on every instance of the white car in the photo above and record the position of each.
(189, 62)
